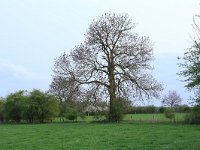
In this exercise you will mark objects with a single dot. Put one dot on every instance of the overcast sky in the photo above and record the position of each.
(34, 32)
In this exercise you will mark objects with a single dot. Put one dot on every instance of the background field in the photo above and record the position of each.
(135, 134)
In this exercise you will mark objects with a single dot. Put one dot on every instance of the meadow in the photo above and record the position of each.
(97, 136)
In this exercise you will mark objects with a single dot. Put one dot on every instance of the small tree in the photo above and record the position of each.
(41, 106)
(169, 113)
(172, 99)
(71, 113)
(14, 106)
(66, 90)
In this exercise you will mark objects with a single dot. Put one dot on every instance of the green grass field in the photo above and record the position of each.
(92, 136)
(97, 136)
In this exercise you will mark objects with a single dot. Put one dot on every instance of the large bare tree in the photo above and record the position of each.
(113, 60)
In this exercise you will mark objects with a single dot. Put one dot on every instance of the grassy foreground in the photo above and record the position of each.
(94, 136)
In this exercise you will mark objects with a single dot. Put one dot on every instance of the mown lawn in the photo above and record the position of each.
(99, 136)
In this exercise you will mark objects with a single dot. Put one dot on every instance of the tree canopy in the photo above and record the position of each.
(191, 61)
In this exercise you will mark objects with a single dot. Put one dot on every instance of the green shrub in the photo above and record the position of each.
(194, 116)
(35, 106)
(169, 113)
(14, 106)
(144, 110)
(41, 106)
(71, 113)
(120, 105)
(161, 110)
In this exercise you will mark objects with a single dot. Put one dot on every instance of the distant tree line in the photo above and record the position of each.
(157, 109)
(39, 107)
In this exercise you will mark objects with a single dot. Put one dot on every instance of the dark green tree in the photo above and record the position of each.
(121, 105)
(2, 112)
(41, 106)
(14, 106)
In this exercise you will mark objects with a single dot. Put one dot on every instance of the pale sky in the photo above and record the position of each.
(34, 32)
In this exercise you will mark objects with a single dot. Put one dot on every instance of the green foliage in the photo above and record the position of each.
(71, 113)
(191, 66)
(14, 106)
(41, 106)
(154, 109)
(194, 116)
(71, 110)
(2, 112)
(36, 106)
(161, 110)
(182, 109)
(120, 106)
(151, 109)
(80, 106)
(143, 110)
(52, 106)
(169, 113)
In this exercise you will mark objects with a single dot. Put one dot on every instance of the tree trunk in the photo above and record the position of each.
(112, 90)
(112, 113)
